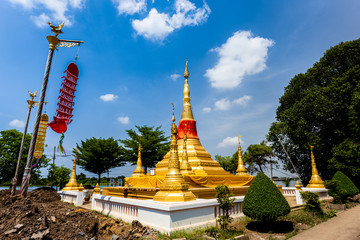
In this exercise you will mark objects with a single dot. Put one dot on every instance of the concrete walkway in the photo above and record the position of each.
(345, 226)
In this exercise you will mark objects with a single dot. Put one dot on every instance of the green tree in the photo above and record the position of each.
(58, 176)
(10, 141)
(154, 145)
(226, 203)
(228, 163)
(257, 156)
(98, 155)
(322, 108)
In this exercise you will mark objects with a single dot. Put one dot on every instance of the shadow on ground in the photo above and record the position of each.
(274, 227)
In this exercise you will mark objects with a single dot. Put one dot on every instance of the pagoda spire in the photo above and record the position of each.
(315, 181)
(186, 112)
(185, 166)
(139, 171)
(174, 188)
(241, 170)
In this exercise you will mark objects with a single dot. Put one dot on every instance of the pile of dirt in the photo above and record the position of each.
(42, 216)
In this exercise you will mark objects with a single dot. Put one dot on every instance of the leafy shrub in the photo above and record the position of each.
(346, 184)
(341, 187)
(312, 203)
(223, 195)
(330, 214)
(263, 201)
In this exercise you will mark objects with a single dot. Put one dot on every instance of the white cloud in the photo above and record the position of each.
(124, 120)
(17, 123)
(228, 142)
(109, 97)
(157, 26)
(175, 76)
(225, 104)
(242, 54)
(54, 9)
(130, 7)
(222, 104)
(243, 101)
(206, 109)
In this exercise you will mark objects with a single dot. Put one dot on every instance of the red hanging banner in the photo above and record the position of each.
(66, 100)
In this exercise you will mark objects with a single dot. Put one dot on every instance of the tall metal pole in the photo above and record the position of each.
(53, 42)
(14, 180)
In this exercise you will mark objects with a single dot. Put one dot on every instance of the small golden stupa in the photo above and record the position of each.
(315, 181)
(174, 188)
(139, 171)
(241, 170)
(200, 172)
(72, 184)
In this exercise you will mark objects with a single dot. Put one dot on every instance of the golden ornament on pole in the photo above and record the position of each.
(40, 140)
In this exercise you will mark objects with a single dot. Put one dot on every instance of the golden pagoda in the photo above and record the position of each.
(315, 181)
(72, 184)
(200, 172)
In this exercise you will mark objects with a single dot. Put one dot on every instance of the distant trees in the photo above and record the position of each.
(228, 163)
(257, 158)
(322, 108)
(154, 145)
(10, 141)
(98, 155)
(58, 176)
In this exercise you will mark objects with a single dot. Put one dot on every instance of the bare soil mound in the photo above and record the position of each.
(42, 216)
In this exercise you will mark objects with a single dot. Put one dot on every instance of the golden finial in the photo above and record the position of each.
(298, 185)
(32, 95)
(56, 29)
(186, 72)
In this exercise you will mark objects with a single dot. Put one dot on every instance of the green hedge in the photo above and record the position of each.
(343, 189)
(264, 201)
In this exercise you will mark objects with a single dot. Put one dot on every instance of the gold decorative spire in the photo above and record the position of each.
(185, 166)
(97, 189)
(139, 171)
(72, 184)
(241, 170)
(187, 112)
(174, 188)
(315, 181)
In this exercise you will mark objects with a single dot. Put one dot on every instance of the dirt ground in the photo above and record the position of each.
(42, 216)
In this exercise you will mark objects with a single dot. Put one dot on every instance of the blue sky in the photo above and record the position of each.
(241, 56)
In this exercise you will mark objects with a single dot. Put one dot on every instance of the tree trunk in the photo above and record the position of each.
(99, 178)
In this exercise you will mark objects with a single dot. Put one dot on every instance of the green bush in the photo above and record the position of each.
(312, 202)
(341, 187)
(346, 184)
(263, 201)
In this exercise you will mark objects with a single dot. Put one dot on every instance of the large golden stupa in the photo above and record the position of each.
(199, 171)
